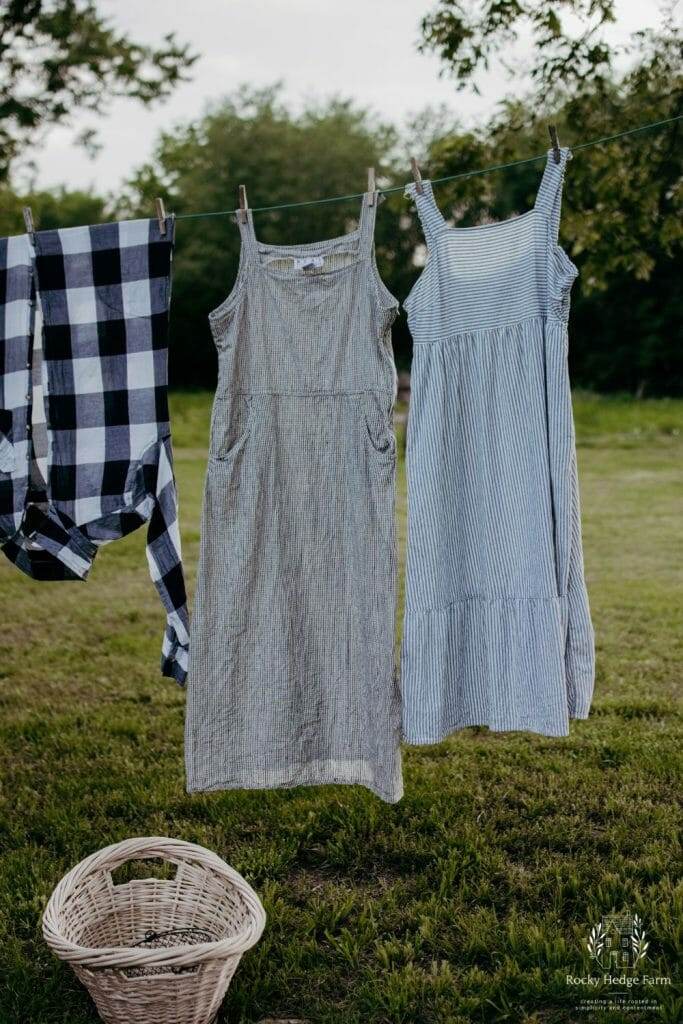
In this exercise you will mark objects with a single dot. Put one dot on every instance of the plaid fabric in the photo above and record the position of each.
(16, 286)
(104, 293)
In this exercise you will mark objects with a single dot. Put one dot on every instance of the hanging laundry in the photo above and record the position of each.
(292, 677)
(497, 628)
(103, 293)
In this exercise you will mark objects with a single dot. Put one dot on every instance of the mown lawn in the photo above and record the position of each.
(468, 901)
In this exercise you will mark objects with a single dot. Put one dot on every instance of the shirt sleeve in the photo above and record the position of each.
(165, 566)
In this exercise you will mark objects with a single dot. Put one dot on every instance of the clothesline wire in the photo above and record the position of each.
(436, 181)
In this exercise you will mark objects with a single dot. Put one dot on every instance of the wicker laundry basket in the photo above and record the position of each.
(154, 951)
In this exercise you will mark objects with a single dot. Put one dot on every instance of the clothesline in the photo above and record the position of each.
(436, 181)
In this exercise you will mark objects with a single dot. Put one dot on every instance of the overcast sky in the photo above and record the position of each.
(363, 49)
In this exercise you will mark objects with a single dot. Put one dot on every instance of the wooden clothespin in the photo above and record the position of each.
(552, 132)
(28, 222)
(416, 174)
(244, 206)
(372, 186)
(161, 215)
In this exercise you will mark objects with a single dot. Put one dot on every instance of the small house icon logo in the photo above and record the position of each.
(618, 942)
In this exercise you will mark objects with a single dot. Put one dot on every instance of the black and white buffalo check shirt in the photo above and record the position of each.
(102, 296)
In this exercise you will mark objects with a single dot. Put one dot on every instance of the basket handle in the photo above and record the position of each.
(156, 847)
(137, 875)
(149, 848)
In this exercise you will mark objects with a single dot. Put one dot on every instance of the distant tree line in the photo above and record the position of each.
(621, 221)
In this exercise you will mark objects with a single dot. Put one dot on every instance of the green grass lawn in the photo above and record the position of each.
(471, 899)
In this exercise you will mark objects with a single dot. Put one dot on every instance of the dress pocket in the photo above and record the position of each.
(564, 273)
(231, 424)
(379, 435)
(7, 453)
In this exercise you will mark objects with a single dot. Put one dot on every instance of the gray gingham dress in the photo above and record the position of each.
(292, 675)
(497, 628)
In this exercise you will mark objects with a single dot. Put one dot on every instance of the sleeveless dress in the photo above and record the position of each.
(497, 629)
(292, 676)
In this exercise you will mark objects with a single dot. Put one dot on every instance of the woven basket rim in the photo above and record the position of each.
(142, 848)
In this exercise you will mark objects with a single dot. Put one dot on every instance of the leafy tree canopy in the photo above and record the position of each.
(622, 221)
(622, 199)
(61, 56)
(469, 35)
(55, 208)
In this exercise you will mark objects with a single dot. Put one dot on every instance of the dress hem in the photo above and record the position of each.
(552, 732)
(331, 779)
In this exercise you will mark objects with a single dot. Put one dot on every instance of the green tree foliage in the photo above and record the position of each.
(622, 221)
(59, 208)
(470, 35)
(253, 138)
(61, 56)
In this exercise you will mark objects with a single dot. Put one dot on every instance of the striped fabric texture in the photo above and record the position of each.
(497, 628)
(292, 677)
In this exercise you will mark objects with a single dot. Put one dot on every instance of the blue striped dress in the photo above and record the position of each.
(497, 627)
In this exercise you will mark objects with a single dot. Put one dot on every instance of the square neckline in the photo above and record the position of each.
(490, 224)
(291, 249)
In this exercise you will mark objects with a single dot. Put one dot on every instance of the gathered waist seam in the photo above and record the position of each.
(544, 317)
(242, 393)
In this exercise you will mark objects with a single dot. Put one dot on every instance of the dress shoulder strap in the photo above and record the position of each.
(366, 222)
(431, 217)
(247, 235)
(549, 197)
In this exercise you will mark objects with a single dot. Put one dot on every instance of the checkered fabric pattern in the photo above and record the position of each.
(104, 293)
(16, 286)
